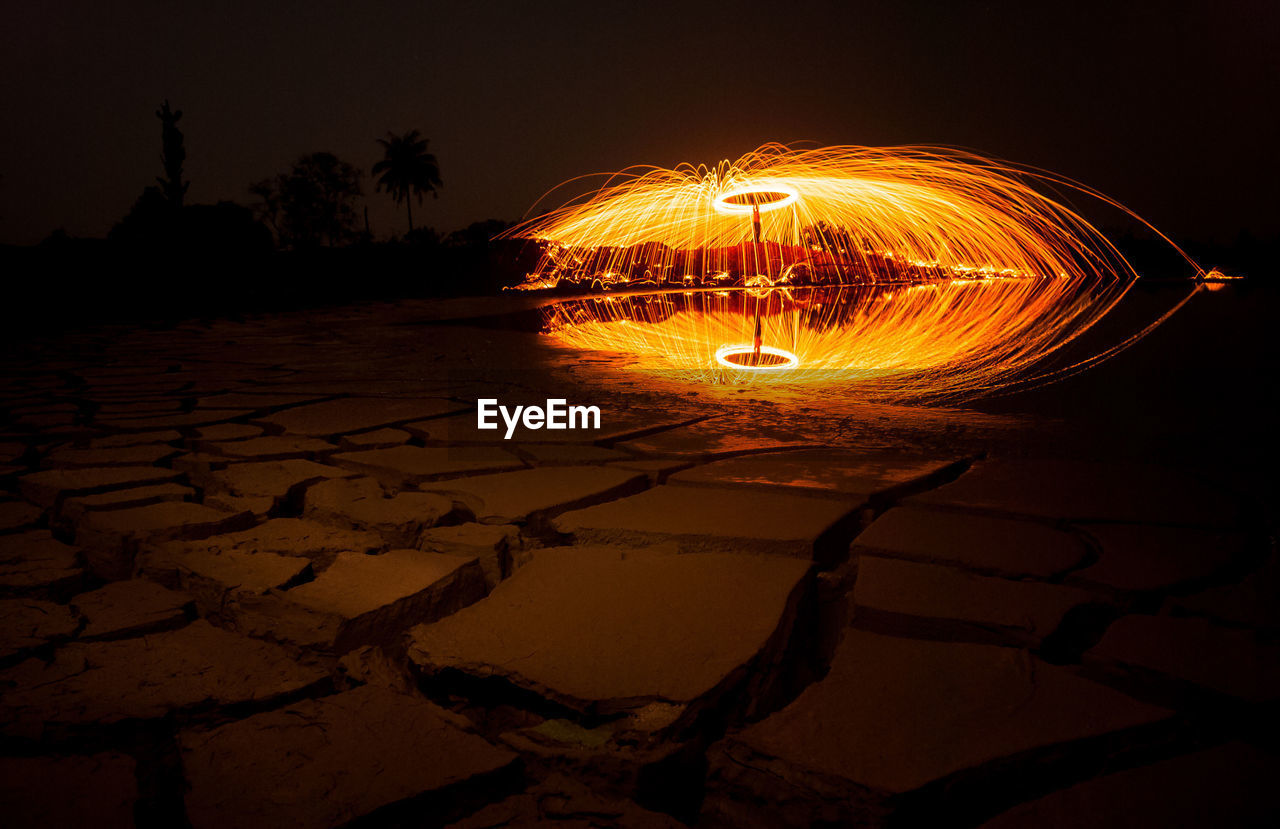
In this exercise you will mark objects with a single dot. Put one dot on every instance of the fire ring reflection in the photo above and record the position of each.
(881, 342)
(747, 357)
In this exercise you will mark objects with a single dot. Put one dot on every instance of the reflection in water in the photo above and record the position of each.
(929, 340)
(893, 274)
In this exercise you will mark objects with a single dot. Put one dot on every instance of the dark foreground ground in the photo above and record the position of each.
(266, 572)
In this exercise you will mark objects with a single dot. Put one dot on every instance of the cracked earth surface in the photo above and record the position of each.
(267, 572)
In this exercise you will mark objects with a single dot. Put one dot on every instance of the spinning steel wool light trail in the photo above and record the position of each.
(908, 272)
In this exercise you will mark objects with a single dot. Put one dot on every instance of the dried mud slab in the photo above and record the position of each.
(909, 597)
(111, 538)
(365, 600)
(196, 668)
(894, 718)
(361, 504)
(37, 564)
(26, 624)
(603, 631)
(367, 753)
(516, 497)
(705, 519)
(1238, 663)
(836, 473)
(131, 608)
(402, 466)
(46, 488)
(1085, 491)
(1138, 558)
(983, 544)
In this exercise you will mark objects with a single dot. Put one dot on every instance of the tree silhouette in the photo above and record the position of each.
(407, 169)
(267, 208)
(172, 154)
(312, 204)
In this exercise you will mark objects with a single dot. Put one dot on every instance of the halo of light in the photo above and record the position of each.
(722, 204)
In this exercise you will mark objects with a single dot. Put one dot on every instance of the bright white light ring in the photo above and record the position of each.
(721, 204)
(723, 352)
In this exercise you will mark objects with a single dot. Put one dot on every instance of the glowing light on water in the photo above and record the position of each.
(904, 272)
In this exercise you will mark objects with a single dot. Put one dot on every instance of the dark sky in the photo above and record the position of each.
(1170, 108)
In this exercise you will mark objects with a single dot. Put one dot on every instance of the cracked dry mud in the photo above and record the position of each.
(269, 573)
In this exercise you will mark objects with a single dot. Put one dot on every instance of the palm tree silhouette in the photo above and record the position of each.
(407, 169)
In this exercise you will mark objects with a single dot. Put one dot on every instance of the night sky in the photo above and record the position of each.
(1169, 108)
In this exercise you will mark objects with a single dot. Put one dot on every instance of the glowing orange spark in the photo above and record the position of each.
(957, 273)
